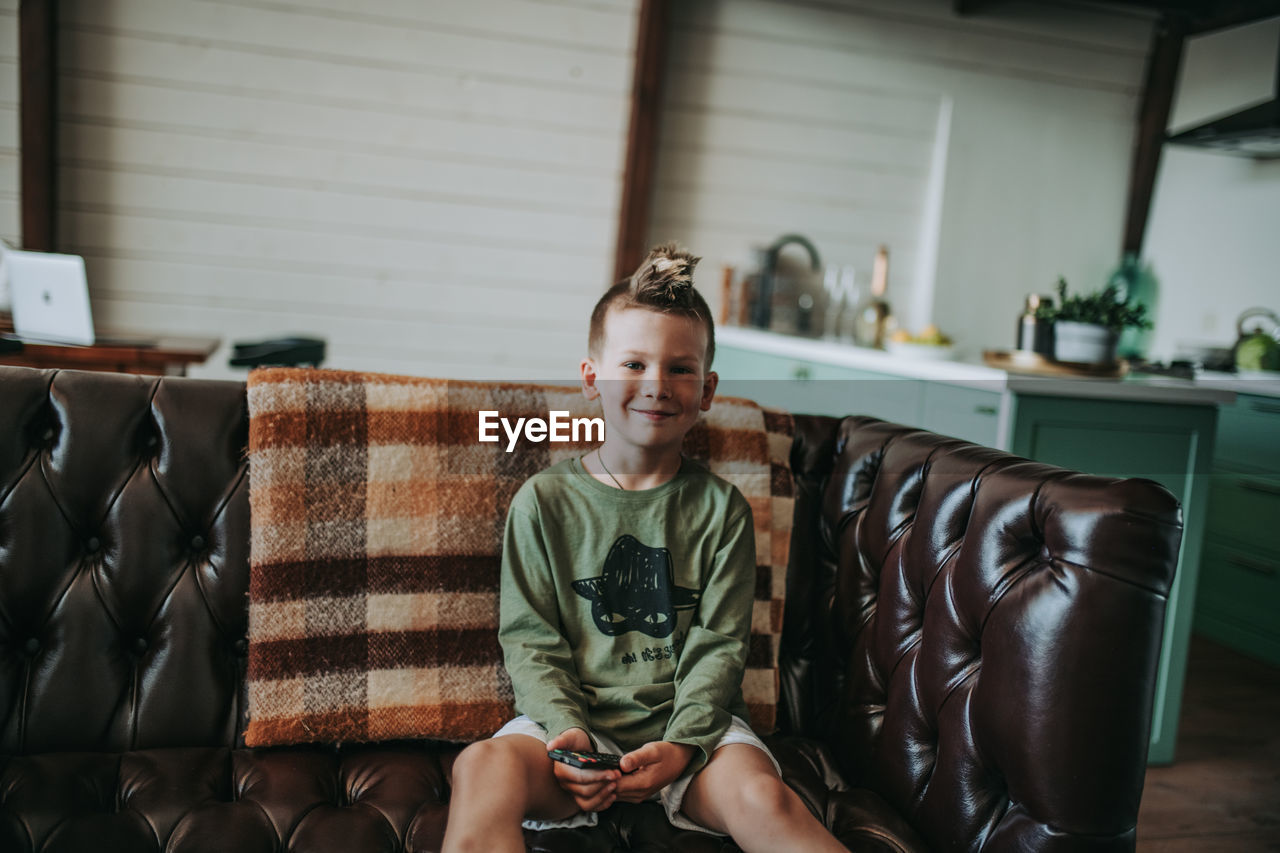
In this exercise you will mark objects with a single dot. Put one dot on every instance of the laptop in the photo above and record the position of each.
(50, 297)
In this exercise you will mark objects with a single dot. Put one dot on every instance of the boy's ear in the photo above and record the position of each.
(588, 369)
(709, 383)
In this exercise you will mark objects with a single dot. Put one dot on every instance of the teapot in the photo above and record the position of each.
(1258, 349)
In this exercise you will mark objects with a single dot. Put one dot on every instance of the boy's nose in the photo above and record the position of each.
(655, 386)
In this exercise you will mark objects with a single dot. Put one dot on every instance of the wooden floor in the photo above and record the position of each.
(1223, 791)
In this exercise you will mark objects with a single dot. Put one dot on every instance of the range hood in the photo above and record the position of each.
(1254, 132)
(1250, 130)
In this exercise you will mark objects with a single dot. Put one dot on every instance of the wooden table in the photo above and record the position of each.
(165, 355)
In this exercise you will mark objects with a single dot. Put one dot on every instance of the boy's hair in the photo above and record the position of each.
(663, 282)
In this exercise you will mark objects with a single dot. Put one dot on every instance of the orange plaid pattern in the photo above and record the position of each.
(376, 528)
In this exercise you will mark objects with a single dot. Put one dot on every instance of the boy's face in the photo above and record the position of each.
(651, 377)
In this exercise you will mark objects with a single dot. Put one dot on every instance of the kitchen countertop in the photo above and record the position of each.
(861, 358)
(1205, 389)
(1265, 385)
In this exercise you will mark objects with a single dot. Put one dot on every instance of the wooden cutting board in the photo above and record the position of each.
(1020, 361)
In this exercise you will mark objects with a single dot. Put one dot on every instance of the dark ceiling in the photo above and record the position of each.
(1197, 16)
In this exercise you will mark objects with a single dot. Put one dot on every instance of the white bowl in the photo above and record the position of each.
(921, 352)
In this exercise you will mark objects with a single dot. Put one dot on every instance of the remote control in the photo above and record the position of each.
(586, 760)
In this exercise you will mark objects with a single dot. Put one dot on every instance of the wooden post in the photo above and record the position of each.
(1153, 118)
(37, 105)
(642, 138)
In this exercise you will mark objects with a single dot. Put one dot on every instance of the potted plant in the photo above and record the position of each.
(1087, 328)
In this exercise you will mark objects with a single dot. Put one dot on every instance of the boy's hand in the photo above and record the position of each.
(651, 768)
(592, 790)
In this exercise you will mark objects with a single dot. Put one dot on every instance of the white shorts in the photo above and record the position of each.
(671, 796)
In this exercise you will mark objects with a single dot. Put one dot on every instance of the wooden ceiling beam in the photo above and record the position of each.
(1231, 13)
(1202, 15)
(1153, 119)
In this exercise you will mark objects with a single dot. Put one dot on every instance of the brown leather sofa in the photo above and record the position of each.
(968, 656)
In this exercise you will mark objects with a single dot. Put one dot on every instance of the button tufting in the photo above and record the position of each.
(197, 542)
(32, 645)
(241, 646)
(92, 544)
(47, 435)
(139, 645)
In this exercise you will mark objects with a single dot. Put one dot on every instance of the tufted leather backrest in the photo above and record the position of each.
(124, 537)
(976, 635)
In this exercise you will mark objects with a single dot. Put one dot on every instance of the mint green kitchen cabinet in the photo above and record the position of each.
(1239, 599)
(1249, 435)
(962, 412)
(817, 388)
(736, 364)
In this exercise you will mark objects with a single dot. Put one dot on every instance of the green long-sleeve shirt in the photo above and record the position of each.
(628, 613)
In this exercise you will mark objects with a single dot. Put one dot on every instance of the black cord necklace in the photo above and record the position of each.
(600, 459)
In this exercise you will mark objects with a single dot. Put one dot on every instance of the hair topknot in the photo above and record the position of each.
(663, 282)
(665, 276)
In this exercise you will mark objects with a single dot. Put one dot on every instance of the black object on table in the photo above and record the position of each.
(279, 352)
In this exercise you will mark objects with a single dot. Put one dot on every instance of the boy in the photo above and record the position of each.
(626, 602)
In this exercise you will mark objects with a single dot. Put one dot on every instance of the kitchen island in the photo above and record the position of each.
(1139, 426)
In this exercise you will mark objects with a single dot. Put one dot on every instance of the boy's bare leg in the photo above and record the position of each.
(498, 783)
(739, 793)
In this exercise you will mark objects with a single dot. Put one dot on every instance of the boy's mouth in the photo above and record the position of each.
(654, 414)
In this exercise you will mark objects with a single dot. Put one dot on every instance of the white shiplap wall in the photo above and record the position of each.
(432, 187)
(1211, 243)
(990, 153)
(1211, 238)
(10, 179)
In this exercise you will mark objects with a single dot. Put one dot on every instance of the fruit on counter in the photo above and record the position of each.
(1258, 348)
(930, 335)
(1258, 352)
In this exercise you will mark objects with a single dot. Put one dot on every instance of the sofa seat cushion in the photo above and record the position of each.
(382, 797)
(388, 797)
(860, 818)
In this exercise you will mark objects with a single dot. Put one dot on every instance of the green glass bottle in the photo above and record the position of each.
(1135, 284)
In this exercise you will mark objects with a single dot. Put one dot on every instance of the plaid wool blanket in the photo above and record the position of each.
(376, 524)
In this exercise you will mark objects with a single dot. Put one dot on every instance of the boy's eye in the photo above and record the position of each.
(633, 365)
(682, 370)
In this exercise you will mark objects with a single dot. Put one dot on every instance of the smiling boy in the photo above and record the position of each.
(626, 600)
